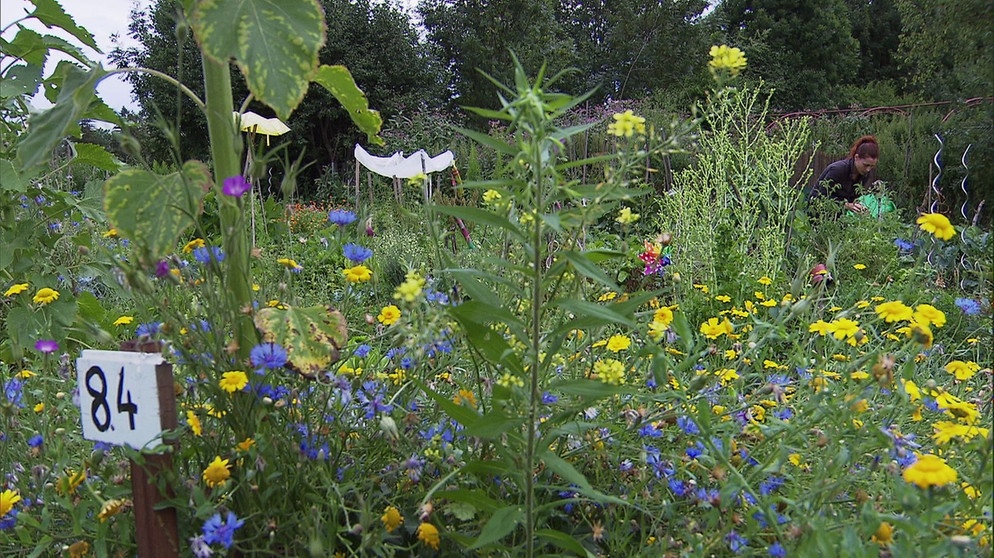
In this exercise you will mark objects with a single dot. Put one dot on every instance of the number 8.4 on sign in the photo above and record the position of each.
(119, 397)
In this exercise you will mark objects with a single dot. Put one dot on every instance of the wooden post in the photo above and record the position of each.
(156, 531)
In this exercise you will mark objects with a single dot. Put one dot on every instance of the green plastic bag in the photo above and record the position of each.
(875, 206)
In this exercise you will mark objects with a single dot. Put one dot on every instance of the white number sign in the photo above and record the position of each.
(119, 397)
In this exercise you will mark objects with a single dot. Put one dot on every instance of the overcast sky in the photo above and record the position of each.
(102, 18)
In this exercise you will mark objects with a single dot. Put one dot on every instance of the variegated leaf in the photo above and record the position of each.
(312, 336)
(154, 210)
(339, 82)
(274, 42)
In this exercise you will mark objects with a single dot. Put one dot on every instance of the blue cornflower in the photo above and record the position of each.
(903, 245)
(396, 351)
(268, 356)
(407, 363)
(36, 440)
(770, 485)
(736, 542)
(10, 520)
(777, 550)
(626, 466)
(548, 398)
(677, 486)
(695, 451)
(362, 351)
(223, 533)
(205, 254)
(437, 297)
(341, 217)
(356, 254)
(969, 306)
(13, 390)
(688, 425)
(650, 431)
(148, 329)
(651, 383)
(784, 414)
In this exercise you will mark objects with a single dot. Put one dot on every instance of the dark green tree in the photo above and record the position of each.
(470, 36)
(947, 47)
(876, 24)
(629, 49)
(805, 50)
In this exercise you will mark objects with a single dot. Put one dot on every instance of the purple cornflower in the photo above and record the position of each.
(162, 268)
(46, 346)
(341, 217)
(223, 533)
(268, 356)
(356, 254)
(413, 467)
(235, 186)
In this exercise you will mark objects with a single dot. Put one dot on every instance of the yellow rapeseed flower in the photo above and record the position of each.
(727, 59)
(626, 124)
(124, 320)
(626, 217)
(610, 371)
(217, 472)
(411, 288)
(929, 470)
(937, 224)
(491, 196)
(45, 296)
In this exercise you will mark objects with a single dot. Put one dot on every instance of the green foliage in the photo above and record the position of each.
(805, 52)
(733, 209)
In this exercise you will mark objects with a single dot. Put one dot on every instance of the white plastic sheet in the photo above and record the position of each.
(398, 166)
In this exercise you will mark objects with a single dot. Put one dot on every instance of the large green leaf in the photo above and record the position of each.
(95, 155)
(46, 129)
(502, 522)
(338, 80)
(274, 42)
(22, 79)
(51, 14)
(312, 336)
(10, 180)
(155, 210)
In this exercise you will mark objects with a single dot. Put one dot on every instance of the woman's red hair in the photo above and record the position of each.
(865, 147)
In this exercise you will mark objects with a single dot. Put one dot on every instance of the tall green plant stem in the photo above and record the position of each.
(226, 155)
(536, 361)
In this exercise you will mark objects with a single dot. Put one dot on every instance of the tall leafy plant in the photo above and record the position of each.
(522, 319)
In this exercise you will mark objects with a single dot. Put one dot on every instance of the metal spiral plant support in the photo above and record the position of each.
(936, 192)
(964, 210)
